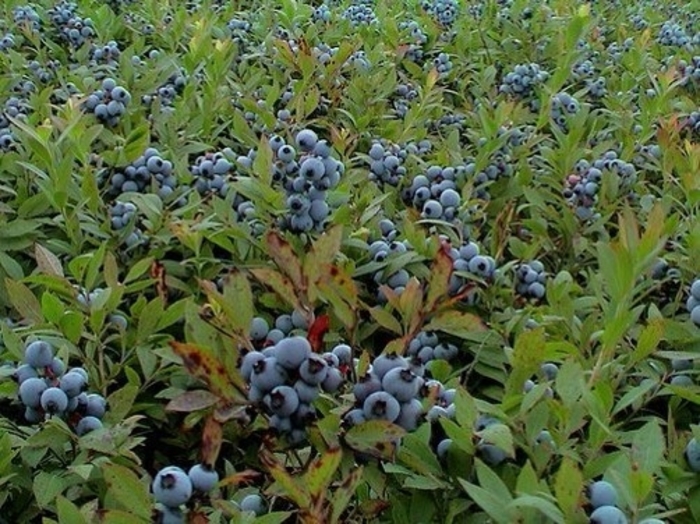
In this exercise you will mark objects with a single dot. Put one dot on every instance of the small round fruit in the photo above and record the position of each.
(96, 405)
(38, 354)
(334, 379)
(385, 362)
(203, 477)
(73, 383)
(410, 415)
(282, 401)
(248, 362)
(254, 503)
(54, 401)
(267, 374)
(30, 392)
(172, 487)
(608, 515)
(401, 383)
(602, 493)
(313, 370)
(259, 328)
(291, 352)
(692, 455)
(492, 455)
(381, 406)
(88, 424)
(443, 447)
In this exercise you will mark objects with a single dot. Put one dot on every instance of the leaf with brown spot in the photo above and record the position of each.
(242, 477)
(204, 365)
(197, 517)
(344, 494)
(287, 261)
(158, 274)
(440, 273)
(373, 507)
(212, 437)
(280, 284)
(231, 412)
(339, 289)
(193, 400)
(319, 474)
(323, 252)
(375, 437)
(293, 488)
(455, 323)
(411, 305)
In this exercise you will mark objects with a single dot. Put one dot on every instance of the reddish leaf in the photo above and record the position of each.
(440, 273)
(280, 284)
(158, 273)
(212, 437)
(317, 331)
(242, 477)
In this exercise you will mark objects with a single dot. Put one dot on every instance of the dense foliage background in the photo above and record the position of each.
(371, 261)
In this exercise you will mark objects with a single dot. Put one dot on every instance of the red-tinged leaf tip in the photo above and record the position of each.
(317, 331)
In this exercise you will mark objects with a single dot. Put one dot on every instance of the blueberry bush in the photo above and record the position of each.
(349, 261)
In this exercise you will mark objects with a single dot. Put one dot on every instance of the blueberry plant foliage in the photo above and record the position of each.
(349, 261)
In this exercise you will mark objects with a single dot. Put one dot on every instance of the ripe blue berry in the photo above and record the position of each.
(54, 401)
(410, 414)
(248, 362)
(267, 374)
(254, 503)
(333, 381)
(313, 370)
(172, 487)
(291, 352)
(38, 354)
(367, 385)
(602, 493)
(203, 477)
(443, 447)
(383, 363)
(382, 406)
(30, 392)
(401, 383)
(692, 455)
(282, 401)
(88, 424)
(608, 515)
(73, 383)
(96, 405)
(259, 329)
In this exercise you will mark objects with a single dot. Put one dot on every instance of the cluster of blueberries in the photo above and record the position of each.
(401, 99)
(692, 305)
(287, 376)
(14, 107)
(674, 34)
(26, 16)
(360, 13)
(445, 12)
(426, 346)
(121, 216)
(71, 27)
(581, 188)
(563, 105)
(442, 64)
(147, 172)
(522, 81)
(172, 487)
(107, 55)
(690, 72)
(43, 73)
(47, 390)
(306, 171)
(166, 93)
(417, 39)
(385, 163)
(108, 103)
(467, 260)
(691, 126)
(531, 279)
(435, 193)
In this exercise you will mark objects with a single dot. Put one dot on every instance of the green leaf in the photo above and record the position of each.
(293, 488)
(492, 496)
(455, 323)
(238, 297)
(500, 436)
(344, 493)
(542, 505)
(47, 487)
(47, 262)
(125, 491)
(287, 261)
(648, 446)
(440, 273)
(568, 486)
(24, 301)
(68, 513)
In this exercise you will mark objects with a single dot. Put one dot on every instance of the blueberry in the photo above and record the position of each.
(313, 370)
(692, 455)
(443, 447)
(306, 392)
(385, 362)
(282, 401)
(602, 493)
(291, 352)
(31, 390)
(172, 487)
(401, 383)
(254, 503)
(73, 383)
(306, 139)
(549, 370)
(355, 417)
(259, 328)
(267, 374)
(492, 455)
(96, 405)
(410, 414)
(368, 384)
(54, 401)
(23, 372)
(608, 515)
(38, 354)
(381, 405)
(88, 424)
(203, 477)
(333, 381)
